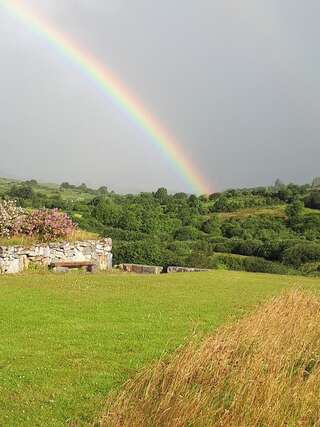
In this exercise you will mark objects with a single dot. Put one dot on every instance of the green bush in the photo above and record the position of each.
(187, 233)
(211, 226)
(176, 253)
(312, 268)
(142, 252)
(247, 247)
(312, 201)
(124, 235)
(237, 263)
(302, 253)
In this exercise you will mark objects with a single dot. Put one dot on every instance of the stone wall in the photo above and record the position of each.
(174, 269)
(141, 269)
(16, 259)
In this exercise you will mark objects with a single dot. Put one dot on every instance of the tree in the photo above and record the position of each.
(214, 196)
(103, 190)
(106, 212)
(162, 195)
(313, 200)
(211, 226)
(31, 182)
(316, 181)
(21, 192)
(130, 218)
(302, 253)
(66, 185)
(278, 185)
(294, 213)
(83, 187)
(180, 196)
(187, 233)
(194, 202)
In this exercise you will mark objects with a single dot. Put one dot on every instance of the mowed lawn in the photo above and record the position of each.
(67, 340)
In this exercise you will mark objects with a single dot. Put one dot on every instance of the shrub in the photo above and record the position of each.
(10, 218)
(47, 224)
(139, 252)
(247, 247)
(125, 235)
(259, 265)
(237, 263)
(176, 253)
(211, 226)
(187, 233)
(313, 200)
(273, 249)
(302, 253)
(24, 191)
(311, 268)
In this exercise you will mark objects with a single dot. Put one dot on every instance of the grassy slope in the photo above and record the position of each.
(49, 189)
(261, 371)
(67, 340)
(274, 211)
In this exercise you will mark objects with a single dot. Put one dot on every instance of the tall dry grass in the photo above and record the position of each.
(262, 371)
(27, 241)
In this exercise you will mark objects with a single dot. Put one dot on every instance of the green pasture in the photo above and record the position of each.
(68, 340)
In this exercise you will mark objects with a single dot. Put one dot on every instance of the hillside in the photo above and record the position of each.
(276, 229)
(46, 190)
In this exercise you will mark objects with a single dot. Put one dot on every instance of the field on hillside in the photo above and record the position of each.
(68, 340)
(49, 190)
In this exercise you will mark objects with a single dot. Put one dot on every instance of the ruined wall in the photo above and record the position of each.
(141, 269)
(16, 259)
(176, 269)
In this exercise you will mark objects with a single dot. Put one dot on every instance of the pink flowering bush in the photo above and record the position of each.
(48, 224)
(11, 216)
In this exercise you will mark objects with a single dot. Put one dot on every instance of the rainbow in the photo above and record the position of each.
(111, 86)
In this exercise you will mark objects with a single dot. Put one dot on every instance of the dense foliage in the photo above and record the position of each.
(47, 224)
(269, 229)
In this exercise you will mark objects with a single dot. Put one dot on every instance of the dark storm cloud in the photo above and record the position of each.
(236, 82)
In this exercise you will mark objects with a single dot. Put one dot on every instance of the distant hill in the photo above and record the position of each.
(50, 190)
(264, 229)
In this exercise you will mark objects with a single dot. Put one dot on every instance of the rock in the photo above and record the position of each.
(12, 266)
(175, 269)
(141, 269)
(60, 270)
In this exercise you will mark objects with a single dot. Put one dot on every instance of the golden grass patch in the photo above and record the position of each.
(261, 371)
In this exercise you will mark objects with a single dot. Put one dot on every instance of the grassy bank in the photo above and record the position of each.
(66, 341)
(262, 371)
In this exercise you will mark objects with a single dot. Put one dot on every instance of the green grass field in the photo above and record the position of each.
(67, 340)
(278, 211)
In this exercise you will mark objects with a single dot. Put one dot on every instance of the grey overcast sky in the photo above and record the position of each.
(235, 81)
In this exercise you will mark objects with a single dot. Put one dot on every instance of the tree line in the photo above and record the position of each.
(255, 229)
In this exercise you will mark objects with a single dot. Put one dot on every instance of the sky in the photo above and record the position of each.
(236, 82)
